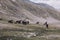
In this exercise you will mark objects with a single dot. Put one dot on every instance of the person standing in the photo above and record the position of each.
(46, 24)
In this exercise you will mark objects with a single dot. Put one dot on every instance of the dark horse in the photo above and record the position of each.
(10, 21)
(25, 22)
(1, 19)
(18, 22)
(37, 22)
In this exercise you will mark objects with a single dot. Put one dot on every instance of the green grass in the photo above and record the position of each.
(41, 32)
(13, 38)
(18, 29)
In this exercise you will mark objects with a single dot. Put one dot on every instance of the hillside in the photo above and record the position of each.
(22, 9)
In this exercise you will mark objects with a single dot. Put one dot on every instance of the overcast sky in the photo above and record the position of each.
(54, 3)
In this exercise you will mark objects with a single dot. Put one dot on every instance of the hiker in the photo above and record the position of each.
(46, 24)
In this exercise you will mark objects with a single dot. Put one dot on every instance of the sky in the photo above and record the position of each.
(54, 3)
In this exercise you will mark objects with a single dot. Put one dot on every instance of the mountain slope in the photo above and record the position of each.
(24, 9)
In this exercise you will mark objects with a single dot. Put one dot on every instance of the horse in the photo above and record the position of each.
(10, 21)
(37, 22)
(25, 22)
(18, 22)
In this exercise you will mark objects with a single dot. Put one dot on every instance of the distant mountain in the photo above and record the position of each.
(25, 9)
(44, 5)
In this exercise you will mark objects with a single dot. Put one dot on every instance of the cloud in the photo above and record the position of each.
(54, 3)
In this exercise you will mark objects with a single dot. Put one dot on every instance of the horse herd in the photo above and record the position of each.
(24, 22)
(19, 22)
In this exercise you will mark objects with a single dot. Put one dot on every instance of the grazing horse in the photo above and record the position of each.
(46, 24)
(37, 22)
(18, 22)
(1, 19)
(10, 21)
(25, 22)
